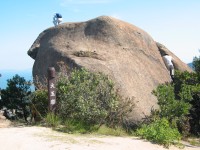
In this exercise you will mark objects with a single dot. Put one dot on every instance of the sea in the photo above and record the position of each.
(9, 74)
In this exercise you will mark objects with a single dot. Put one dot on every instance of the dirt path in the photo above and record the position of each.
(41, 138)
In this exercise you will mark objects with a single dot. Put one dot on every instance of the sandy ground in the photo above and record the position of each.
(41, 138)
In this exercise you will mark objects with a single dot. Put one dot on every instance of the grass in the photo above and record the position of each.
(79, 128)
(194, 141)
(52, 120)
(87, 54)
(118, 131)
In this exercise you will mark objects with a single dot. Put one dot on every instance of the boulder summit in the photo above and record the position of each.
(124, 52)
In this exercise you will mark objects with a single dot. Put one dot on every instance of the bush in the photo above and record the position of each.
(179, 102)
(39, 106)
(90, 98)
(159, 132)
(187, 89)
(171, 108)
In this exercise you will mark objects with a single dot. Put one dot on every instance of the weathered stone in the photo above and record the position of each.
(178, 64)
(104, 44)
(3, 121)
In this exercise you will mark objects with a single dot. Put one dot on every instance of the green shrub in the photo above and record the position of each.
(171, 108)
(40, 102)
(180, 102)
(187, 88)
(90, 98)
(159, 132)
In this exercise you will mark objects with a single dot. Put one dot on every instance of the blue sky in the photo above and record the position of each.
(174, 23)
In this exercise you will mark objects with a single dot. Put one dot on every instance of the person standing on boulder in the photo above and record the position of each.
(169, 64)
(57, 19)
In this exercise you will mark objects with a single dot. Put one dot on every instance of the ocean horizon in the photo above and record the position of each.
(7, 74)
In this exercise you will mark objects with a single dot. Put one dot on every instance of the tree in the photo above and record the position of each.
(195, 121)
(181, 100)
(17, 95)
(196, 66)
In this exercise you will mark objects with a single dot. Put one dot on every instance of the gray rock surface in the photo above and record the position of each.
(3, 121)
(121, 50)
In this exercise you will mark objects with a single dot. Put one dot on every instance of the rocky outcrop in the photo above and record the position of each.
(121, 50)
(178, 64)
(3, 121)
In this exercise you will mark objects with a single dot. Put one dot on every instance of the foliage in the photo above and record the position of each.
(179, 102)
(40, 102)
(184, 78)
(196, 64)
(160, 132)
(171, 108)
(190, 82)
(52, 120)
(118, 131)
(76, 126)
(179, 108)
(89, 98)
(195, 111)
(17, 95)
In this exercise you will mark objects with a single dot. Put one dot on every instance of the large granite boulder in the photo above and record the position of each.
(178, 64)
(121, 50)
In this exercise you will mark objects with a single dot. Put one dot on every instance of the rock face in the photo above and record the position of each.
(104, 44)
(3, 121)
(178, 64)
